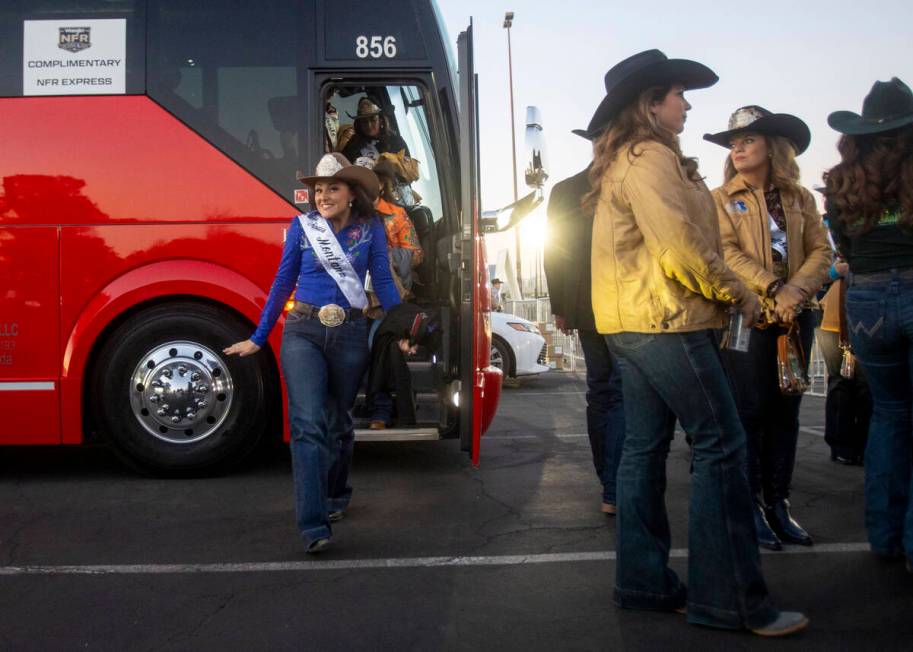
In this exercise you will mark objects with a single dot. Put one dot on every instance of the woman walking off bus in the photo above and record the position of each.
(324, 353)
(775, 242)
(869, 201)
(660, 287)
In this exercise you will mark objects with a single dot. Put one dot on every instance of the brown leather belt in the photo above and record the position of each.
(341, 314)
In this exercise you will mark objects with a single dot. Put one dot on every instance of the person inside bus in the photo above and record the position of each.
(372, 135)
(660, 289)
(328, 252)
(406, 324)
(405, 254)
(776, 243)
(869, 202)
(405, 251)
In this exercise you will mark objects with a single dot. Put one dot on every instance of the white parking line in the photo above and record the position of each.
(403, 562)
(525, 394)
(543, 436)
(818, 431)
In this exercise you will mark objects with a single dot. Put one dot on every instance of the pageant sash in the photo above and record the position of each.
(334, 261)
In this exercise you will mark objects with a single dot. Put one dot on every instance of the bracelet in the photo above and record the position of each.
(773, 288)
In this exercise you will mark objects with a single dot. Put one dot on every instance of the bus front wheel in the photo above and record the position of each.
(168, 399)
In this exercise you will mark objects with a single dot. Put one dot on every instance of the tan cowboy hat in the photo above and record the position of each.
(336, 166)
(366, 109)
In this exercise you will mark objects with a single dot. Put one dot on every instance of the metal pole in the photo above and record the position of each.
(513, 131)
(508, 21)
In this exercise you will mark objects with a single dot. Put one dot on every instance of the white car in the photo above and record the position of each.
(517, 348)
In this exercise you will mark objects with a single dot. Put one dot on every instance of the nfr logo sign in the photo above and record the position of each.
(74, 39)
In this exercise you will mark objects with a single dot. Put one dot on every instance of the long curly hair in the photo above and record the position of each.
(784, 171)
(875, 174)
(634, 125)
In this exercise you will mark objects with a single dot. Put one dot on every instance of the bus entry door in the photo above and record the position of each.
(29, 348)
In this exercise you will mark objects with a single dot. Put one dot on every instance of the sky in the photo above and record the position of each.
(805, 57)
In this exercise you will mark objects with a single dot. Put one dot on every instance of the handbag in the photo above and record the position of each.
(792, 367)
(848, 360)
(833, 305)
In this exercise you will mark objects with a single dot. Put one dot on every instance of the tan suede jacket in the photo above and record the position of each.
(657, 259)
(745, 229)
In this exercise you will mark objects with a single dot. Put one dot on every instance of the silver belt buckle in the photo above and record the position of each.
(331, 315)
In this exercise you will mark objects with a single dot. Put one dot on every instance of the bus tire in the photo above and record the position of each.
(170, 402)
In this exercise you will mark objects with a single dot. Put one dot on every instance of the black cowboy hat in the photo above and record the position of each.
(758, 120)
(889, 105)
(650, 68)
(583, 133)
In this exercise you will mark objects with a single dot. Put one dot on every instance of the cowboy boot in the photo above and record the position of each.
(778, 515)
(786, 526)
(766, 537)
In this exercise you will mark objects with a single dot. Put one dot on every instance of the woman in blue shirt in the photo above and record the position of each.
(328, 253)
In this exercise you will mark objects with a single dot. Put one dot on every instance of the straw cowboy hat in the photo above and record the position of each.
(889, 105)
(625, 80)
(335, 166)
(758, 120)
(366, 109)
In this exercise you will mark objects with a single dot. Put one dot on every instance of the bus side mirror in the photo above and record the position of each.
(501, 220)
(536, 171)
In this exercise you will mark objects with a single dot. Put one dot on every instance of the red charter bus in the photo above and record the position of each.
(148, 165)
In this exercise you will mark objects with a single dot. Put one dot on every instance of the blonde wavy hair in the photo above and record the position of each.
(633, 126)
(784, 171)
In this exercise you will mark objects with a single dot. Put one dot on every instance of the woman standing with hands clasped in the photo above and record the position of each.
(324, 353)
(660, 288)
(775, 241)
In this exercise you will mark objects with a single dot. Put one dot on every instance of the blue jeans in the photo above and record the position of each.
(879, 312)
(664, 377)
(323, 368)
(605, 416)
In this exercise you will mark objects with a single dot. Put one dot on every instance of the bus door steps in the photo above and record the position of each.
(427, 408)
(398, 434)
(425, 376)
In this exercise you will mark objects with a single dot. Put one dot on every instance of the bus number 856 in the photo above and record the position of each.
(375, 47)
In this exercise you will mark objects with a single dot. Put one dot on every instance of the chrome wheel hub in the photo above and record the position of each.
(495, 359)
(181, 392)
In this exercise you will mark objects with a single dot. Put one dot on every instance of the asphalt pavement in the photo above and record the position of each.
(432, 555)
